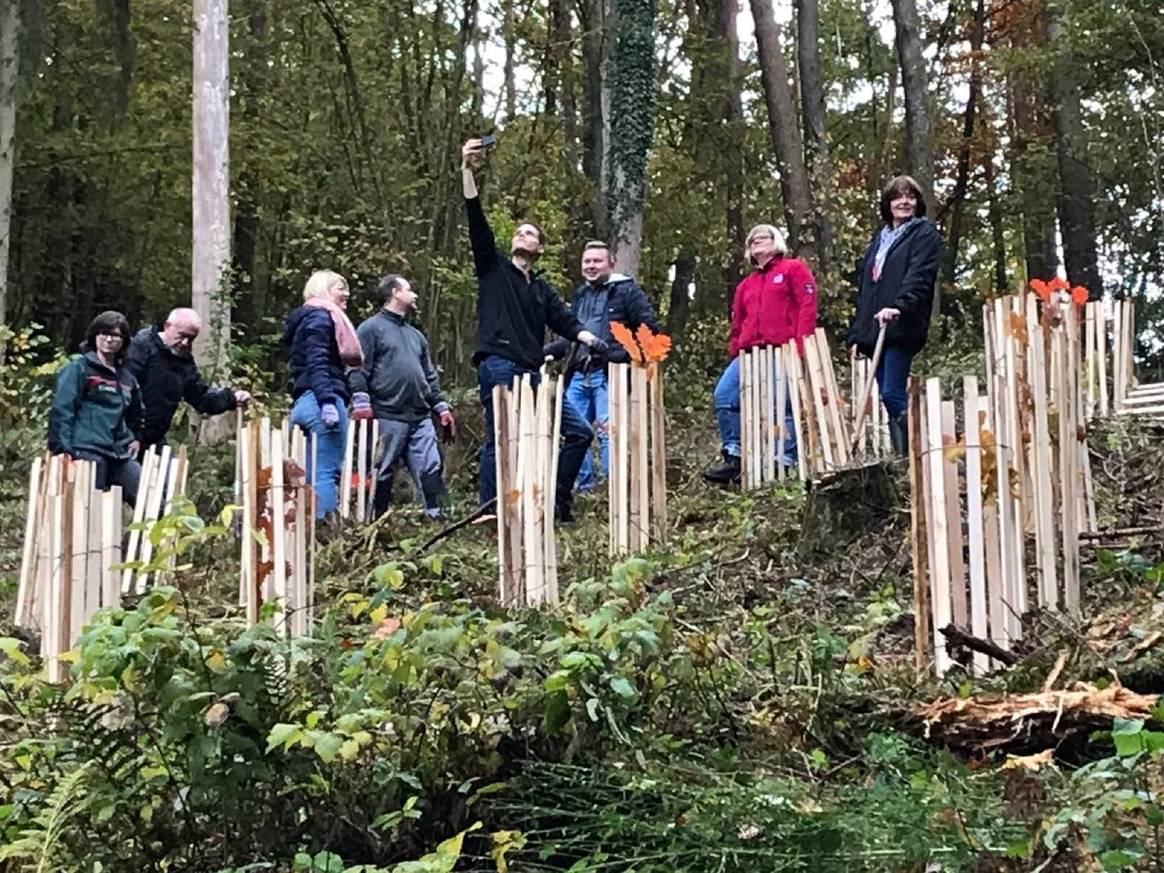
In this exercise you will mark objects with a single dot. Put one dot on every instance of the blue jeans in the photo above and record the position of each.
(727, 414)
(588, 395)
(329, 449)
(892, 376)
(576, 433)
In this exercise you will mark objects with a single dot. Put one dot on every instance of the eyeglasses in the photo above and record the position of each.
(111, 336)
(759, 237)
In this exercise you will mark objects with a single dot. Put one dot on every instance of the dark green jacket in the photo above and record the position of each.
(95, 409)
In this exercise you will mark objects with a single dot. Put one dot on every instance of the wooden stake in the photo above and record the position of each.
(803, 440)
(148, 465)
(975, 533)
(279, 538)
(345, 505)
(918, 530)
(995, 590)
(863, 400)
(940, 568)
(1041, 465)
(782, 401)
(836, 401)
(658, 455)
(527, 462)
(362, 470)
(82, 492)
(1069, 460)
(954, 538)
(26, 587)
(502, 472)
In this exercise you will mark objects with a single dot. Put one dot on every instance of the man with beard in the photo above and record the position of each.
(162, 361)
(514, 307)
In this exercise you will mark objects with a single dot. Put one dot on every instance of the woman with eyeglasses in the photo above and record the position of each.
(97, 411)
(773, 304)
(896, 280)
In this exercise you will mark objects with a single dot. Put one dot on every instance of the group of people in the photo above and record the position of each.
(119, 398)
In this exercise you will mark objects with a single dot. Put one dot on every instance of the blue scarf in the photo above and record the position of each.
(889, 235)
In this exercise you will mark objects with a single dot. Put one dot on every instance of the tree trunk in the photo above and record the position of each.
(563, 52)
(595, 58)
(962, 181)
(997, 235)
(1076, 200)
(785, 133)
(816, 149)
(1030, 130)
(679, 305)
(211, 182)
(632, 101)
(9, 72)
(733, 115)
(919, 136)
(510, 40)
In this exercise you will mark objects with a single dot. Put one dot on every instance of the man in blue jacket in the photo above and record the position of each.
(514, 307)
(603, 297)
(399, 386)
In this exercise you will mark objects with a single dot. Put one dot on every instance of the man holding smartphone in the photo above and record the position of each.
(514, 307)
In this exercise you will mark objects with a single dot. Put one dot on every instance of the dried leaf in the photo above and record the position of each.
(655, 346)
(953, 452)
(626, 339)
(1018, 328)
(1058, 284)
(1080, 295)
(1041, 288)
(216, 715)
(1033, 762)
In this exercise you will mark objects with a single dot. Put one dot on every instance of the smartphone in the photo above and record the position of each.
(487, 141)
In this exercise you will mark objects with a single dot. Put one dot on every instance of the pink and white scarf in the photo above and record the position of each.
(345, 335)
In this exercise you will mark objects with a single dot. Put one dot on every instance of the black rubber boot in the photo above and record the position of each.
(725, 471)
(899, 434)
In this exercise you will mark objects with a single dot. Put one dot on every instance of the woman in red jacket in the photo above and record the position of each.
(772, 305)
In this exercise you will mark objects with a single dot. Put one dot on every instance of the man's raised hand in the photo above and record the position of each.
(471, 153)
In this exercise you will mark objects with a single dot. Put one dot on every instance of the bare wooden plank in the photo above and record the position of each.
(133, 549)
(781, 378)
(803, 441)
(1069, 460)
(836, 401)
(111, 546)
(954, 538)
(81, 497)
(939, 532)
(554, 448)
(996, 612)
(26, 586)
(345, 506)
(362, 470)
(658, 456)
(918, 500)
(1041, 465)
(975, 533)
(527, 463)
(279, 537)
(501, 469)
(157, 487)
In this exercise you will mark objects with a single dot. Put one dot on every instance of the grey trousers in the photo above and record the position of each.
(414, 443)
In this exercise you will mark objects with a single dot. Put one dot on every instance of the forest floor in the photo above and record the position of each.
(782, 723)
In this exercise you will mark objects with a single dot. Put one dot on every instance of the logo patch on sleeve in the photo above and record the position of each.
(810, 288)
(778, 278)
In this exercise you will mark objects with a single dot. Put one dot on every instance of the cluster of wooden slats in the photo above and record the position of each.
(1018, 468)
(163, 478)
(358, 477)
(820, 419)
(637, 491)
(278, 524)
(527, 421)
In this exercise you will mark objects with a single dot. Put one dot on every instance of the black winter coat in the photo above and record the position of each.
(626, 303)
(907, 281)
(512, 312)
(166, 379)
(316, 365)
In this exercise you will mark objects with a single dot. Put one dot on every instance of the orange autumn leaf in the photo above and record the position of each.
(1018, 328)
(1042, 289)
(1080, 295)
(627, 340)
(655, 346)
(1058, 284)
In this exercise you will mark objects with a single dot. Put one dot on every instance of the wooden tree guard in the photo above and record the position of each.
(527, 422)
(1025, 470)
(362, 452)
(871, 429)
(637, 493)
(163, 479)
(763, 399)
(72, 544)
(277, 550)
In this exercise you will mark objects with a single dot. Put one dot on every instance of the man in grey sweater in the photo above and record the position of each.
(399, 386)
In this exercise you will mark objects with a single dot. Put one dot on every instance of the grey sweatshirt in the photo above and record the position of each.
(398, 373)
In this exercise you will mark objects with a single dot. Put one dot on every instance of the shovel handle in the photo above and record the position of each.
(868, 386)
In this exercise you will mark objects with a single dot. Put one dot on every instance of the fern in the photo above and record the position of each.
(37, 845)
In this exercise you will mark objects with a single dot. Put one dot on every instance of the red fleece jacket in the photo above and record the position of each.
(774, 305)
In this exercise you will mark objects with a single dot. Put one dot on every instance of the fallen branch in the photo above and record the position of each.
(1031, 720)
(959, 637)
(457, 525)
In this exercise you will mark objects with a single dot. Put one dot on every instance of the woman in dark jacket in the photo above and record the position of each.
(97, 411)
(896, 280)
(323, 347)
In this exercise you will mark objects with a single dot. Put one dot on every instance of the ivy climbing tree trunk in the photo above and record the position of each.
(919, 135)
(9, 72)
(632, 103)
(1076, 200)
(210, 262)
(785, 133)
(816, 149)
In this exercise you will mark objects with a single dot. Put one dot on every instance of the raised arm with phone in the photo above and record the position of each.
(515, 305)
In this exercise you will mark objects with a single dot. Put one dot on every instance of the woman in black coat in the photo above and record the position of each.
(896, 280)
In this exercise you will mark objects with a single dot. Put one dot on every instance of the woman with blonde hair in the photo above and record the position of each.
(323, 347)
(773, 304)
